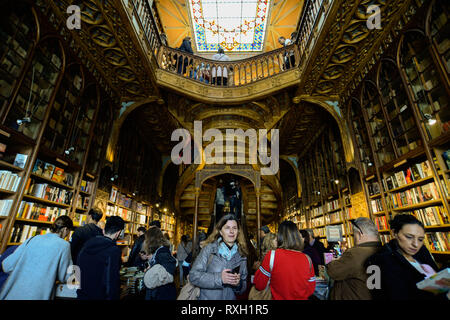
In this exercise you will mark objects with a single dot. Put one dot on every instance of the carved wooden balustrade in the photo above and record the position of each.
(143, 18)
(236, 73)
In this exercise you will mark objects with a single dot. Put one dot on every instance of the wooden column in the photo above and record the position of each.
(258, 220)
(194, 237)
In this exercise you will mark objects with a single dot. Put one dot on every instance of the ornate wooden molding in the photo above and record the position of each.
(108, 44)
(219, 95)
(347, 48)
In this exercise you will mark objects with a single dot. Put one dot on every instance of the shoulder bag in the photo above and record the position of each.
(265, 294)
(189, 291)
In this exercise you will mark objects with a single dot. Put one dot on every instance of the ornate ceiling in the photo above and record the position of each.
(283, 20)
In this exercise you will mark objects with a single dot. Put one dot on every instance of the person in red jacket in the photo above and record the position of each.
(292, 276)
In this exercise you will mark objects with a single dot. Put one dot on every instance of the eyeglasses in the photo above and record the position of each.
(354, 223)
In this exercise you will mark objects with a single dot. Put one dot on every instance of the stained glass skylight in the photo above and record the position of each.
(234, 25)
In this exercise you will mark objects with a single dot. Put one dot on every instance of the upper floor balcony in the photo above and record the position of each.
(226, 81)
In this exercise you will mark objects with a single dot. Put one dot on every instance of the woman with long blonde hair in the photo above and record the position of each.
(220, 270)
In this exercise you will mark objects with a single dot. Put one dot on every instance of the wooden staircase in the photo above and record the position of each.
(270, 202)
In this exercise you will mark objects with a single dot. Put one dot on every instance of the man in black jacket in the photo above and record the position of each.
(185, 47)
(135, 259)
(99, 263)
(84, 233)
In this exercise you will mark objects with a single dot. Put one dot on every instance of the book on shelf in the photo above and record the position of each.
(48, 192)
(22, 232)
(415, 195)
(438, 241)
(113, 194)
(2, 145)
(58, 175)
(9, 181)
(5, 206)
(39, 167)
(381, 223)
(35, 211)
(20, 160)
(432, 216)
(376, 205)
(48, 170)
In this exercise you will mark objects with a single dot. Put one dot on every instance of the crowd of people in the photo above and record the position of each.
(224, 265)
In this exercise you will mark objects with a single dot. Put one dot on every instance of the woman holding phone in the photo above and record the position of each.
(220, 270)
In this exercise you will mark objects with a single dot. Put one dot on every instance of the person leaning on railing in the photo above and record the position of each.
(289, 57)
(185, 47)
(219, 74)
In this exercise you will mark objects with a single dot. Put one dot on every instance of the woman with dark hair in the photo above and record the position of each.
(310, 251)
(220, 270)
(159, 275)
(403, 262)
(292, 276)
(37, 263)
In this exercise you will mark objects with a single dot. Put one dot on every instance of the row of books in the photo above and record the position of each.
(438, 241)
(36, 211)
(376, 205)
(317, 211)
(9, 181)
(373, 188)
(83, 202)
(141, 219)
(125, 214)
(87, 186)
(332, 205)
(415, 195)
(5, 206)
(385, 238)
(52, 172)
(22, 232)
(415, 172)
(47, 192)
(381, 223)
(320, 221)
(141, 208)
(124, 201)
(335, 217)
(319, 232)
(432, 216)
(80, 219)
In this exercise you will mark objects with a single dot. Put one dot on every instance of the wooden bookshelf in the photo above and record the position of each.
(34, 221)
(4, 164)
(389, 121)
(45, 73)
(40, 200)
(52, 182)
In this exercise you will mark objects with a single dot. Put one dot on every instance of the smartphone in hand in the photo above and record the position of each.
(236, 270)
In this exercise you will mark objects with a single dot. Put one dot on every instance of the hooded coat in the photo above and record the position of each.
(80, 236)
(207, 275)
(99, 263)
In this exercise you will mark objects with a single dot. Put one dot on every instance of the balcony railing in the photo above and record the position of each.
(142, 14)
(228, 73)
